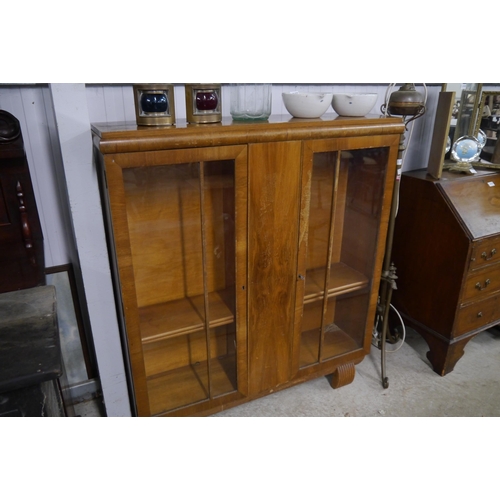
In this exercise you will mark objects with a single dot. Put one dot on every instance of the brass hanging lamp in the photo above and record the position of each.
(407, 101)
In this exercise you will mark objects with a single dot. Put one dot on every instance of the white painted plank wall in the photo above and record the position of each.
(110, 103)
(28, 105)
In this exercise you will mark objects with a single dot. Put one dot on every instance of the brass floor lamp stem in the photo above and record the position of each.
(388, 275)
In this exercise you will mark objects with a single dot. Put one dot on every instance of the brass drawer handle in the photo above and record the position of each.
(480, 287)
(479, 314)
(484, 255)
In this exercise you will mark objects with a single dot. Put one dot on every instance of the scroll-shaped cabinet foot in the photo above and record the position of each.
(343, 375)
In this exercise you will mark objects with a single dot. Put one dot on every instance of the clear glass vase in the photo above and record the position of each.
(251, 101)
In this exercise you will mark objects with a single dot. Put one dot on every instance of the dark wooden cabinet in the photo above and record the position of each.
(247, 255)
(22, 263)
(447, 254)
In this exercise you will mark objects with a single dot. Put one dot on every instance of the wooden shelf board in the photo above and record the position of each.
(183, 316)
(189, 384)
(343, 279)
(336, 342)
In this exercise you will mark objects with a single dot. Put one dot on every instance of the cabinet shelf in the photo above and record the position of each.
(184, 316)
(343, 279)
(188, 384)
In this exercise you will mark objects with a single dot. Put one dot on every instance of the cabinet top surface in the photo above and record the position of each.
(326, 119)
(121, 137)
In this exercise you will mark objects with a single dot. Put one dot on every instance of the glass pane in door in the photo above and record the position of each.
(220, 267)
(345, 208)
(223, 359)
(364, 171)
(182, 236)
(345, 324)
(318, 243)
(176, 371)
(164, 215)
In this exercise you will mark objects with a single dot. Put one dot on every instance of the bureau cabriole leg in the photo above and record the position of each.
(343, 375)
(443, 354)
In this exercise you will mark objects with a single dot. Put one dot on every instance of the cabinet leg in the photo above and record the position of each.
(443, 354)
(343, 375)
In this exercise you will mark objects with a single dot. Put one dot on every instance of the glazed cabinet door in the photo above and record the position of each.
(179, 227)
(345, 204)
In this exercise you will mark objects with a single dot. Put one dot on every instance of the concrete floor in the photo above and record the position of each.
(472, 389)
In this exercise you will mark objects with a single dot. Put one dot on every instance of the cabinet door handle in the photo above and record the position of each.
(479, 314)
(484, 255)
(481, 287)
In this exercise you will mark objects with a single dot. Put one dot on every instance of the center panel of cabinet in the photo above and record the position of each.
(274, 191)
(181, 221)
(343, 202)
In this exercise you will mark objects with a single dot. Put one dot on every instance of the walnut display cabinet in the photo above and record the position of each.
(447, 254)
(247, 256)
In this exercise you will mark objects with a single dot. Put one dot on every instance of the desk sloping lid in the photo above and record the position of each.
(476, 201)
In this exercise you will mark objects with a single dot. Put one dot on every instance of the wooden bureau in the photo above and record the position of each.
(447, 254)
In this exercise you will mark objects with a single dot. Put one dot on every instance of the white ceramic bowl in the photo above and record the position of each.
(353, 104)
(307, 104)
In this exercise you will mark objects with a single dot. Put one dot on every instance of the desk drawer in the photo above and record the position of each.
(477, 315)
(485, 252)
(481, 283)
